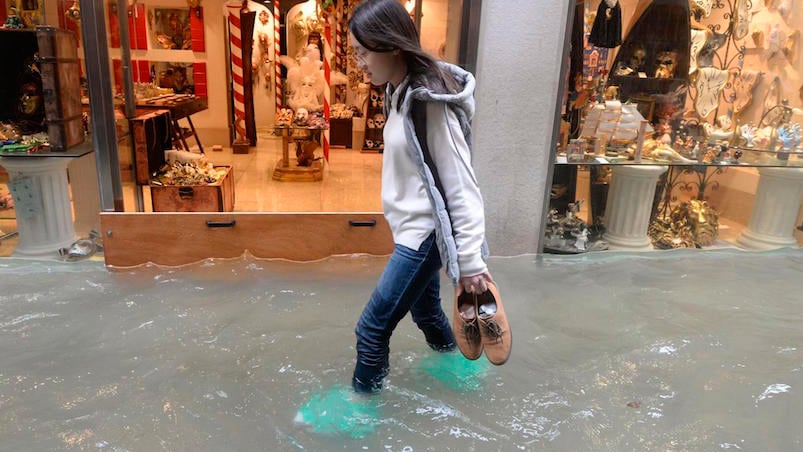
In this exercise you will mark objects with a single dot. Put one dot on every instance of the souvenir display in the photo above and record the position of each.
(375, 121)
(692, 224)
(568, 234)
(689, 69)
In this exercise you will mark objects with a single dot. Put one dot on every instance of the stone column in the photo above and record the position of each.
(772, 222)
(48, 226)
(627, 212)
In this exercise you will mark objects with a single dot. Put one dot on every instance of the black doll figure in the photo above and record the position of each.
(607, 29)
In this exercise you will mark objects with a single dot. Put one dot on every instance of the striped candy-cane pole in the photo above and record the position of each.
(327, 92)
(236, 48)
(343, 35)
(277, 50)
(338, 31)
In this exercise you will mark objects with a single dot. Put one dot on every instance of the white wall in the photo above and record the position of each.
(518, 70)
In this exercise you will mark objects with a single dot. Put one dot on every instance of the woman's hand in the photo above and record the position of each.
(474, 284)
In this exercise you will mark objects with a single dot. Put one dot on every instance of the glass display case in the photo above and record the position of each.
(683, 133)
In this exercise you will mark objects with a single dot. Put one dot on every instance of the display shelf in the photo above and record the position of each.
(795, 161)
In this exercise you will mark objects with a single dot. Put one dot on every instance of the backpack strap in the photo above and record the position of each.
(419, 114)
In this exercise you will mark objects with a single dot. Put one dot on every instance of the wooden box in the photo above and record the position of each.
(61, 86)
(49, 101)
(152, 137)
(195, 198)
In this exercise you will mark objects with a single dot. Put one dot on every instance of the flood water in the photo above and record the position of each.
(665, 351)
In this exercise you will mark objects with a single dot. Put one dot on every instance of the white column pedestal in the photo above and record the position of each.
(627, 212)
(772, 222)
(43, 233)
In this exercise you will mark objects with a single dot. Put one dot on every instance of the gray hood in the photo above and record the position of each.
(461, 102)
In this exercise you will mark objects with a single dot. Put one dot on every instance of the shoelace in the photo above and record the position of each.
(472, 331)
(494, 330)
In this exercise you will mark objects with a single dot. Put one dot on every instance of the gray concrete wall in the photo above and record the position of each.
(518, 70)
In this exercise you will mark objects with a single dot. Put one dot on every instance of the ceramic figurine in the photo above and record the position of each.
(723, 132)
(748, 134)
(13, 21)
(581, 239)
(789, 135)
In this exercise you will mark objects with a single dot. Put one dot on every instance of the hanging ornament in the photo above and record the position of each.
(74, 12)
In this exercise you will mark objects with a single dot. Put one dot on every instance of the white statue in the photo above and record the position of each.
(581, 239)
(305, 80)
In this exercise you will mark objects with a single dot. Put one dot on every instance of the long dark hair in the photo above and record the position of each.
(385, 26)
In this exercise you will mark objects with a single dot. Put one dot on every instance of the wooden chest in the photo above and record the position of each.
(152, 136)
(61, 86)
(195, 198)
(47, 99)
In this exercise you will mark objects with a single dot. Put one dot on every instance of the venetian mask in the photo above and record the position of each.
(302, 115)
(665, 64)
(637, 58)
(701, 218)
(375, 96)
(30, 101)
(379, 120)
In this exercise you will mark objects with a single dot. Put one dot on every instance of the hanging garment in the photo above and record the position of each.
(607, 29)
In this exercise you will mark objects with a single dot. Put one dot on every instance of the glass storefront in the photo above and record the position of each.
(680, 127)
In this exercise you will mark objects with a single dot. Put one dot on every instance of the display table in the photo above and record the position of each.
(44, 217)
(181, 106)
(288, 169)
(772, 221)
(627, 212)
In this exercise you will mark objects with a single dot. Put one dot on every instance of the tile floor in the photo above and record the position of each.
(351, 181)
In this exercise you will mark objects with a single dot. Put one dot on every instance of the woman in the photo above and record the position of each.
(427, 229)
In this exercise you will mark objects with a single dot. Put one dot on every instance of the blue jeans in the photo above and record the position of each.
(409, 283)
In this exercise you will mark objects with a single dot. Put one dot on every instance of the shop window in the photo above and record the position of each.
(680, 128)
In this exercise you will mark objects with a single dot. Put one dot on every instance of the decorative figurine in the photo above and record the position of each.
(665, 64)
(581, 239)
(723, 132)
(13, 21)
(789, 135)
(748, 134)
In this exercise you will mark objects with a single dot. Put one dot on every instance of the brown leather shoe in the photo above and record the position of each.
(497, 338)
(465, 326)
